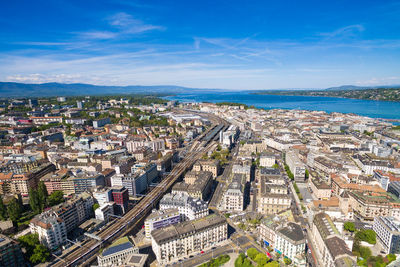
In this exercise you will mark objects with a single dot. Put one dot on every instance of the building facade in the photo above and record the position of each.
(183, 239)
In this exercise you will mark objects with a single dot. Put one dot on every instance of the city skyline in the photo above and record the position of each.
(204, 45)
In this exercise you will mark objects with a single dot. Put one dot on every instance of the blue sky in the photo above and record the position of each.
(205, 44)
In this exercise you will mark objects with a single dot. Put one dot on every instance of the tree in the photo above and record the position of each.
(55, 198)
(34, 201)
(40, 254)
(391, 257)
(252, 253)
(3, 210)
(287, 261)
(261, 259)
(14, 210)
(307, 174)
(95, 206)
(43, 195)
(275, 166)
(242, 261)
(365, 252)
(349, 226)
(272, 264)
(367, 235)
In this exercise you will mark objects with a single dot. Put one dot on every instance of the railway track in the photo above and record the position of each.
(136, 214)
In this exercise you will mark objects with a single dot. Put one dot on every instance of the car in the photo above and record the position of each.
(202, 252)
(191, 256)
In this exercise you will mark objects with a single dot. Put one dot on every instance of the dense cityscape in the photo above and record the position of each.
(151, 133)
(142, 181)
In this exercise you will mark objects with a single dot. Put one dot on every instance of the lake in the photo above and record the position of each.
(370, 108)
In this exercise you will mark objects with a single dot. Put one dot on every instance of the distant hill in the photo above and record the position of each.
(353, 87)
(12, 89)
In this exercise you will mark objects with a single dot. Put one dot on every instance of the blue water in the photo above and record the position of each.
(370, 108)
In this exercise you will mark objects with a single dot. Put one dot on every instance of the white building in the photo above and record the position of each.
(296, 166)
(290, 240)
(159, 219)
(104, 211)
(267, 160)
(233, 198)
(117, 253)
(186, 238)
(51, 230)
(387, 230)
(103, 196)
(189, 208)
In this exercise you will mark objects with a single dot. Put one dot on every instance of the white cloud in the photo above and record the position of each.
(98, 35)
(128, 24)
(347, 31)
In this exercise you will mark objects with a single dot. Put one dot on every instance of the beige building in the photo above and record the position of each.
(183, 239)
(233, 198)
(267, 160)
(272, 198)
(208, 166)
(331, 249)
(320, 190)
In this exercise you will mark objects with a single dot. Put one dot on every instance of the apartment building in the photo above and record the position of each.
(212, 166)
(366, 206)
(242, 168)
(117, 253)
(272, 198)
(189, 208)
(387, 231)
(296, 166)
(290, 240)
(319, 189)
(75, 211)
(233, 197)
(199, 189)
(10, 252)
(331, 248)
(183, 239)
(267, 160)
(50, 228)
(105, 211)
(161, 218)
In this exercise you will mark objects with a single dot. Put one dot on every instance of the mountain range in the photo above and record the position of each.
(13, 89)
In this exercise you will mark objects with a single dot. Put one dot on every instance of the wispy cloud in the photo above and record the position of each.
(94, 35)
(344, 32)
(128, 24)
(122, 24)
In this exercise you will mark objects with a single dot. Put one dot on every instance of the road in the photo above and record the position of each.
(208, 255)
(131, 219)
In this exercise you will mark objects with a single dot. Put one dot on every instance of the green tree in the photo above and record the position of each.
(307, 174)
(242, 261)
(43, 195)
(3, 210)
(40, 254)
(391, 257)
(275, 166)
(56, 198)
(272, 264)
(349, 226)
(14, 210)
(252, 253)
(95, 206)
(367, 235)
(287, 261)
(34, 201)
(261, 259)
(365, 252)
